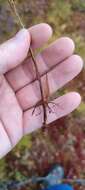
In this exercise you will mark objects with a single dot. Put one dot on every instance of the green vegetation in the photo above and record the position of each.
(81, 109)
(25, 142)
(78, 5)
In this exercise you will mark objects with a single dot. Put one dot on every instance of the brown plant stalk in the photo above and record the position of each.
(38, 77)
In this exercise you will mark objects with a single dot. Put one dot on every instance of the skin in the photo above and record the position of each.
(18, 94)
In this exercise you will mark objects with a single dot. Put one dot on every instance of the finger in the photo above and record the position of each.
(66, 104)
(14, 51)
(40, 34)
(56, 53)
(10, 113)
(57, 78)
(5, 145)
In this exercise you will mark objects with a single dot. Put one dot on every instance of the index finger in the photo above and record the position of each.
(14, 51)
(40, 34)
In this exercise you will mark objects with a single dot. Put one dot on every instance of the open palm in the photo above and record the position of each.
(19, 91)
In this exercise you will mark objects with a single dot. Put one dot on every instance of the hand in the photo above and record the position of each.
(18, 94)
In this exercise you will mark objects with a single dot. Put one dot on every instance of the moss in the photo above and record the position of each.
(24, 143)
(79, 43)
(19, 176)
(2, 169)
(81, 108)
(80, 111)
(78, 5)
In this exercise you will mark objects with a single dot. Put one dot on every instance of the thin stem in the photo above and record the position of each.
(41, 90)
(13, 7)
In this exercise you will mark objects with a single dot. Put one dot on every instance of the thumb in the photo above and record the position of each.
(14, 51)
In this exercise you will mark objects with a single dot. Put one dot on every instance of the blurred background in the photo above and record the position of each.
(34, 155)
